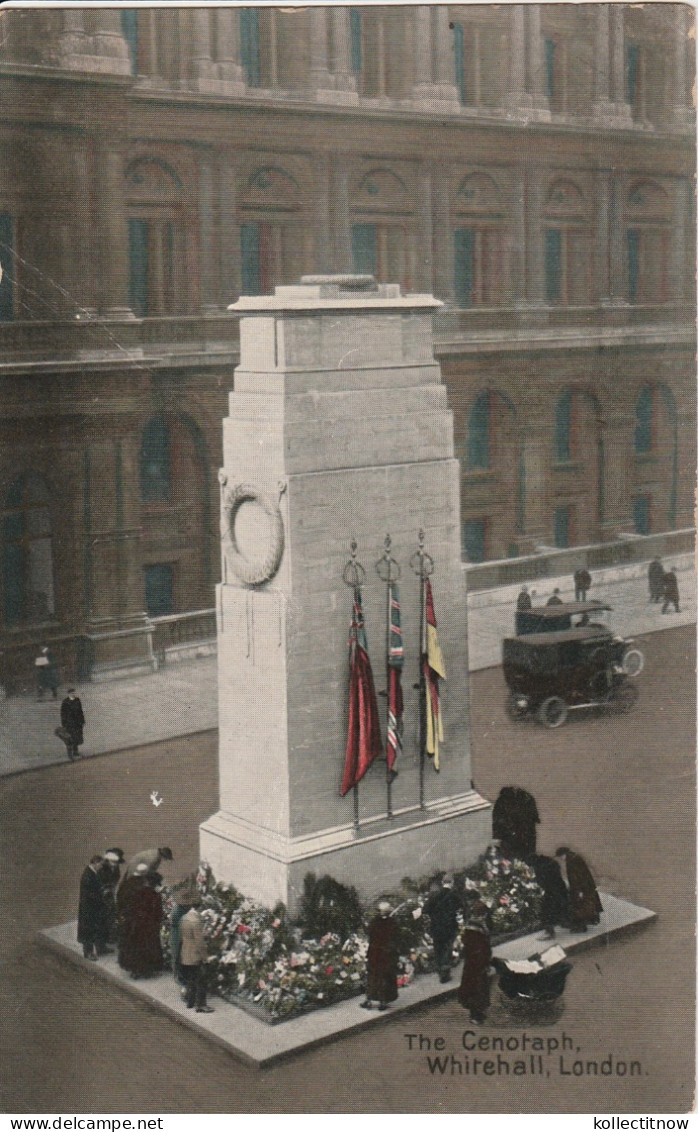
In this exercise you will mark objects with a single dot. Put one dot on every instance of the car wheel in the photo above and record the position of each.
(552, 712)
(633, 662)
(624, 697)
(517, 706)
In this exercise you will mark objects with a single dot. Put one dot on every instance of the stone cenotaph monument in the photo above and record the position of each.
(338, 430)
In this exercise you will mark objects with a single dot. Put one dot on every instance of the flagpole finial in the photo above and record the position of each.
(422, 563)
(353, 573)
(387, 568)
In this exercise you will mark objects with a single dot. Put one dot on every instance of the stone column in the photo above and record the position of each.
(207, 269)
(602, 270)
(618, 431)
(340, 52)
(229, 243)
(444, 62)
(112, 236)
(422, 49)
(73, 40)
(517, 239)
(433, 56)
(535, 444)
(341, 217)
(621, 109)
(202, 64)
(109, 41)
(425, 231)
(617, 242)
(442, 235)
(682, 110)
(228, 35)
(602, 62)
(535, 63)
(680, 241)
(320, 77)
(516, 97)
(535, 276)
(322, 224)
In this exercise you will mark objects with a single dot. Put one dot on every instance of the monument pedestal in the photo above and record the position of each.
(339, 429)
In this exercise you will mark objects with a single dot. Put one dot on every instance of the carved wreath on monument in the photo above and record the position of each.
(259, 563)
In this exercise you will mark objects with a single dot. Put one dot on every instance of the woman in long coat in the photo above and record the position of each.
(474, 992)
(584, 903)
(382, 959)
(141, 951)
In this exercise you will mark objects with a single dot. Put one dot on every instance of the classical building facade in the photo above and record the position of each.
(530, 165)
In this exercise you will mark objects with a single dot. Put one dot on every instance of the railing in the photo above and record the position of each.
(550, 561)
(177, 630)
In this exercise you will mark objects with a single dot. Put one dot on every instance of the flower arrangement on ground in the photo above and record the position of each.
(258, 957)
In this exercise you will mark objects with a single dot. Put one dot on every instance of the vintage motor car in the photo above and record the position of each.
(563, 660)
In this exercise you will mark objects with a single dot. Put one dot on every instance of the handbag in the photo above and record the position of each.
(61, 733)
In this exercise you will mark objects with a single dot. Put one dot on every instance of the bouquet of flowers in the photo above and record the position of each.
(508, 887)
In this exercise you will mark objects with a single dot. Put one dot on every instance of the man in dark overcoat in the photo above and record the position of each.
(514, 820)
(523, 604)
(474, 991)
(73, 722)
(110, 874)
(584, 903)
(382, 959)
(671, 591)
(655, 579)
(442, 907)
(92, 918)
(582, 581)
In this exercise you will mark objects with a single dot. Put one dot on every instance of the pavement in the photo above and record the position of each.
(181, 698)
(261, 1043)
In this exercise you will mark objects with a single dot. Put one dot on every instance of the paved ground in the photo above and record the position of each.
(181, 699)
(619, 788)
(260, 1044)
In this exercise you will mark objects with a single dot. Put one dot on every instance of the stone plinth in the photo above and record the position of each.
(339, 429)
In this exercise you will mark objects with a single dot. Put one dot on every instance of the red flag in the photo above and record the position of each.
(364, 736)
(434, 668)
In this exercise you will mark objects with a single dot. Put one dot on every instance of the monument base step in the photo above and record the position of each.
(260, 1044)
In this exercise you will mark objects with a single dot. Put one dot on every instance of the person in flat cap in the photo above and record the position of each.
(193, 953)
(474, 992)
(382, 959)
(92, 919)
(442, 907)
(73, 723)
(151, 858)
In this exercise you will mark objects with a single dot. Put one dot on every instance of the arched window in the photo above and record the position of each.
(155, 470)
(563, 427)
(478, 444)
(643, 421)
(27, 552)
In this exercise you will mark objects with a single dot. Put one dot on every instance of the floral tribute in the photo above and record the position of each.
(259, 958)
(508, 888)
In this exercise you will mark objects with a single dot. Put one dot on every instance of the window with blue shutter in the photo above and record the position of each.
(364, 250)
(561, 527)
(138, 266)
(643, 421)
(553, 265)
(641, 514)
(563, 427)
(464, 266)
(250, 259)
(129, 30)
(633, 264)
(475, 540)
(549, 48)
(478, 443)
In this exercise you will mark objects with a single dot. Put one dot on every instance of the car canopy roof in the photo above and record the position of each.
(537, 640)
(567, 609)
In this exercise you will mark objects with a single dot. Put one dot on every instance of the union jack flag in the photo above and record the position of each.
(396, 657)
(364, 736)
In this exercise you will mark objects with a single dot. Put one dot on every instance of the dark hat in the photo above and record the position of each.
(115, 854)
(166, 853)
